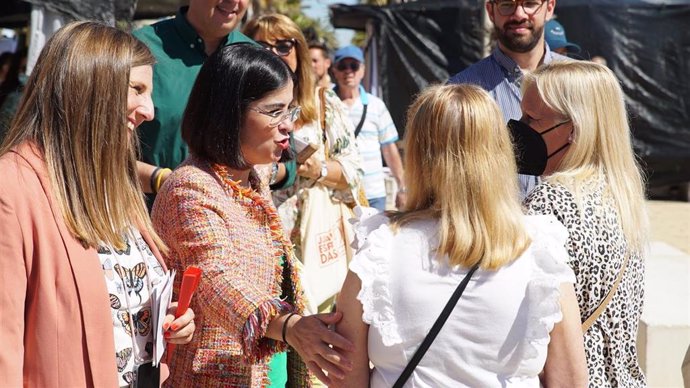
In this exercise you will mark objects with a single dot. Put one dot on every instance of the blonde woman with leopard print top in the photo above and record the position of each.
(593, 185)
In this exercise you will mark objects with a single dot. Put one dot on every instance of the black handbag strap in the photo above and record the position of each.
(361, 121)
(435, 329)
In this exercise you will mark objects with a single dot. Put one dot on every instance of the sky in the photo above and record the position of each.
(318, 9)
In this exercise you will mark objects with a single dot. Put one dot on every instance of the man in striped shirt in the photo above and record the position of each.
(519, 30)
(374, 129)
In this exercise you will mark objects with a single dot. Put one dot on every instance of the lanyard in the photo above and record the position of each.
(364, 99)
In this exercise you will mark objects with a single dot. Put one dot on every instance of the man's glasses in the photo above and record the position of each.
(277, 117)
(282, 46)
(353, 66)
(508, 7)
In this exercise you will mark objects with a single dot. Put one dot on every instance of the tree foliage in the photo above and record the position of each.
(360, 37)
(293, 9)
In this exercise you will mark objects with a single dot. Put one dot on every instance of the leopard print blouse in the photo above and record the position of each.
(597, 249)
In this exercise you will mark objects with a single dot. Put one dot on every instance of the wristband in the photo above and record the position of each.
(285, 322)
(152, 179)
(159, 178)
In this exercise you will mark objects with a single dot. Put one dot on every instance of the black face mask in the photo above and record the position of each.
(530, 148)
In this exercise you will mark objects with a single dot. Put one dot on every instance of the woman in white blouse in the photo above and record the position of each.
(517, 322)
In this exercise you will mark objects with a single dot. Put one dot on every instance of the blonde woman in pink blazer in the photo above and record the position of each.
(73, 219)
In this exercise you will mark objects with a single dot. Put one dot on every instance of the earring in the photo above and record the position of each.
(570, 138)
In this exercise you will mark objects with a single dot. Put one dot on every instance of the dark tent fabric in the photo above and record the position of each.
(105, 10)
(646, 43)
(419, 43)
(16, 13)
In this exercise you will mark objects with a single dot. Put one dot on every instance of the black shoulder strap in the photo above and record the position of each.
(435, 329)
(361, 121)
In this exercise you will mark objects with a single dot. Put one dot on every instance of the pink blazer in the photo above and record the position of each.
(56, 328)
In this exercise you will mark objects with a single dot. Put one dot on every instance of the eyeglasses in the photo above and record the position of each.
(508, 7)
(353, 66)
(278, 117)
(283, 47)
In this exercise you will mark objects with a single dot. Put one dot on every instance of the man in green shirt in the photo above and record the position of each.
(181, 45)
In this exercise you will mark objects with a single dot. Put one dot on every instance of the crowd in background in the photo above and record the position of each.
(512, 254)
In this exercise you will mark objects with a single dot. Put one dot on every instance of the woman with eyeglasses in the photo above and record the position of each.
(215, 212)
(341, 173)
(322, 122)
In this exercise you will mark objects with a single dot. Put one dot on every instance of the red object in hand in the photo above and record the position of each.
(190, 281)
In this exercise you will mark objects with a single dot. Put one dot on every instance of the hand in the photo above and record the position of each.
(311, 168)
(181, 330)
(311, 338)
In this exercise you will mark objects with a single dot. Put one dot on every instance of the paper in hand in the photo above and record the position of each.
(161, 296)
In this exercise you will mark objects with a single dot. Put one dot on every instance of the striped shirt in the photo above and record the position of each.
(499, 75)
(378, 130)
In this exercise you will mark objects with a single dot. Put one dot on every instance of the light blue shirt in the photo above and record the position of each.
(378, 130)
(499, 75)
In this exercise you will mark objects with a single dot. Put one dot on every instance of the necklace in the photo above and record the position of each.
(250, 198)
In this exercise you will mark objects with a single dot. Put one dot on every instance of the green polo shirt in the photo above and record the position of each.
(179, 53)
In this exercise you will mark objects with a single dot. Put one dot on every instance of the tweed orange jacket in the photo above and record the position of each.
(243, 287)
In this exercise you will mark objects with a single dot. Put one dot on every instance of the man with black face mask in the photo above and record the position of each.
(519, 31)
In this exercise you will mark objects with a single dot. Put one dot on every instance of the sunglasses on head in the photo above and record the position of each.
(282, 47)
(353, 66)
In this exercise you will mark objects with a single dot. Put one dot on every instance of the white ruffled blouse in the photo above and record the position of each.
(498, 334)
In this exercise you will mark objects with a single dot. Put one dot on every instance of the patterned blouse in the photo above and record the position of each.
(597, 250)
(342, 148)
(129, 274)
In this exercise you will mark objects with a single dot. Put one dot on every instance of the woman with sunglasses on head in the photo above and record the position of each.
(282, 36)
(574, 132)
(79, 257)
(323, 122)
(215, 212)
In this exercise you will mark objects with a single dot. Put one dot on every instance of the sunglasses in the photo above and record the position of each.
(282, 47)
(508, 7)
(353, 66)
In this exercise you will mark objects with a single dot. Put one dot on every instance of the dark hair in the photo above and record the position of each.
(315, 44)
(11, 81)
(227, 83)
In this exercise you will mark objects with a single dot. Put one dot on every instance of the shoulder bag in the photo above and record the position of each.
(435, 329)
(587, 323)
(325, 235)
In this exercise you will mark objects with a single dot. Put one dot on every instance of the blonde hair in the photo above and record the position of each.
(281, 26)
(74, 110)
(589, 94)
(460, 168)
